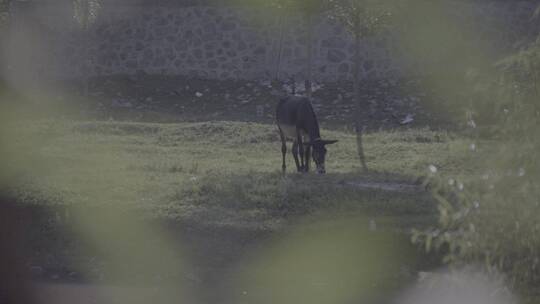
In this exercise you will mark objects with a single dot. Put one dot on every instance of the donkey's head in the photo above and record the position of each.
(319, 152)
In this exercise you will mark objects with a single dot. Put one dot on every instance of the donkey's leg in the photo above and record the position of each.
(301, 150)
(283, 150)
(295, 155)
(307, 158)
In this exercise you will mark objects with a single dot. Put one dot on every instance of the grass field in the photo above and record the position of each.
(223, 173)
(219, 217)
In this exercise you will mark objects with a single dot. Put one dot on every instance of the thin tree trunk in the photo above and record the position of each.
(86, 54)
(86, 77)
(356, 88)
(280, 46)
(309, 67)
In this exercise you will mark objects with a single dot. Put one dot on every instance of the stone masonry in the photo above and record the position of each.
(221, 42)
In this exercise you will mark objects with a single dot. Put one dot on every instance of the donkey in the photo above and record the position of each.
(297, 121)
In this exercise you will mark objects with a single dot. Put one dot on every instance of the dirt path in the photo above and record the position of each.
(386, 186)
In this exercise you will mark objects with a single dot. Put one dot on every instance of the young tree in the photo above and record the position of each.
(308, 9)
(85, 13)
(362, 18)
(281, 6)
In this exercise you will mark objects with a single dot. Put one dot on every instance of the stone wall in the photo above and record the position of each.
(223, 41)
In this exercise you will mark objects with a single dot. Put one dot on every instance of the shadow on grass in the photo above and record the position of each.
(210, 262)
(212, 225)
(264, 199)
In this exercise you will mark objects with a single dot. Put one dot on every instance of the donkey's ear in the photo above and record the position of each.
(329, 142)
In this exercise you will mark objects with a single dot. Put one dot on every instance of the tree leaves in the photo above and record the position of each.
(362, 17)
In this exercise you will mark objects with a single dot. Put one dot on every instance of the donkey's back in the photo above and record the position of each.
(294, 113)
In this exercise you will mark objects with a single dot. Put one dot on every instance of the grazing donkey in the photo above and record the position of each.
(296, 120)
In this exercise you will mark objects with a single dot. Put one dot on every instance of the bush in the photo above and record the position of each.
(491, 217)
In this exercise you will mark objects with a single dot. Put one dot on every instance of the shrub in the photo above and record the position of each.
(491, 217)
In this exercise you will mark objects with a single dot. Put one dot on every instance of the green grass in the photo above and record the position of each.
(221, 173)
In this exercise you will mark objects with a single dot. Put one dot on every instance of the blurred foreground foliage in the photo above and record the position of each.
(490, 217)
